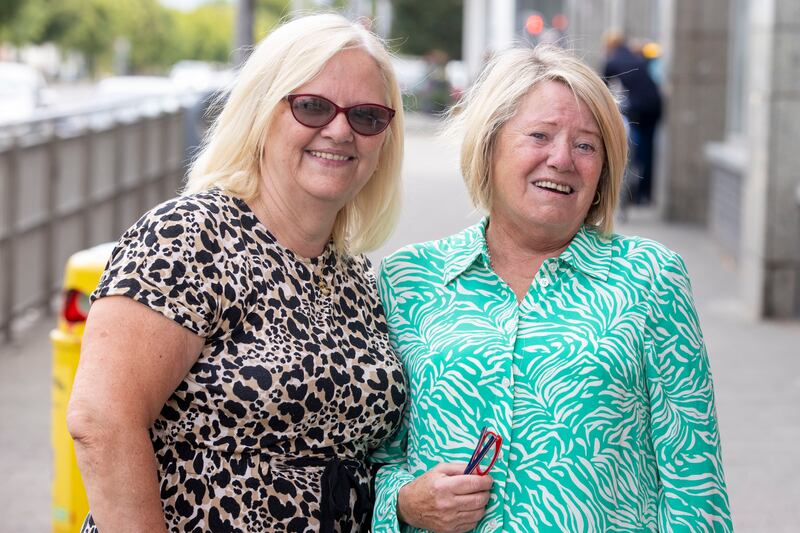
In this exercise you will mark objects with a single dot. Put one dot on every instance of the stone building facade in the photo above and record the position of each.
(731, 79)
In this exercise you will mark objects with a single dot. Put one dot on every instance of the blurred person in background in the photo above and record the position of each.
(236, 368)
(579, 347)
(642, 107)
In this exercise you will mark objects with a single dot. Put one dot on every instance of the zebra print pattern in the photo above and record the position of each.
(598, 381)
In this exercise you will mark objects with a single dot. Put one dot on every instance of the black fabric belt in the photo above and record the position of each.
(338, 479)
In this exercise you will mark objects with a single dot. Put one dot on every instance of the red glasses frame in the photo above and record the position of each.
(486, 441)
(336, 110)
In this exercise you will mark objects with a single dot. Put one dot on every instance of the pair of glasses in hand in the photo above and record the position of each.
(489, 442)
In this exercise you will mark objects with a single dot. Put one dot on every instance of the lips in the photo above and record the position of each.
(553, 186)
(330, 156)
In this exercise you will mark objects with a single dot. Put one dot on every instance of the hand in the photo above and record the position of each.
(444, 500)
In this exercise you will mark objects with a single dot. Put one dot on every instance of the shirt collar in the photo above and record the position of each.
(465, 248)
(589, 252)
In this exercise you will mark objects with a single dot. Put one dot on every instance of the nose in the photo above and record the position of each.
(338, 130)
(560, 156)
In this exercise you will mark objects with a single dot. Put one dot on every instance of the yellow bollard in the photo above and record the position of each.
(81, 275)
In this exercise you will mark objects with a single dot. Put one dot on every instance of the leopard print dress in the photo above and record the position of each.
(295, 385)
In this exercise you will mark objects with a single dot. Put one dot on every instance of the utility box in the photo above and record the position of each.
(82, 273)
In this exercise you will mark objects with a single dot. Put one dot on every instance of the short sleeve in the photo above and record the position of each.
(692, 493)
(169, 262)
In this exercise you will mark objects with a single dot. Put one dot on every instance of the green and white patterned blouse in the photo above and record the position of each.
(598, 382)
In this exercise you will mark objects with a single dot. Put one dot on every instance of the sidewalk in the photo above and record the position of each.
(756, 370)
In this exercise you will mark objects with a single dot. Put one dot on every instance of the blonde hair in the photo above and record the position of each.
(494, 98)
(290, 56)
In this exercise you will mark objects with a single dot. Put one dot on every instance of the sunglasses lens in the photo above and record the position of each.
(369, 119)
(312, 111)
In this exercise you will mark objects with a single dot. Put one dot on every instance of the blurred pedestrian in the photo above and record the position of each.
(236, 369)
(436, 91)
(642, 107)
(579, 348)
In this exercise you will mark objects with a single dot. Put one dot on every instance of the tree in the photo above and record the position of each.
(205, 33)
(22, 21)
(148, 28)
(82, 25)
(419, 26)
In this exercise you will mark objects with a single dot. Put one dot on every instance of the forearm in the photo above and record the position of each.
(119, 472)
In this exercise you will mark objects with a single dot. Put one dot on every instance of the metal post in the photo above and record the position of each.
(7, 304)
(48, 253)
(86, 187)
(244, 30)
(118, 177)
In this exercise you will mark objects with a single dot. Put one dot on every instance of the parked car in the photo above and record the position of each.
(23, 90)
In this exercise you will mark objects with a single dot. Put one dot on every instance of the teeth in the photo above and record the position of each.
(326, 155)
(566, 189)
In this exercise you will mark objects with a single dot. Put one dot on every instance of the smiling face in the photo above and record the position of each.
(310, 168)
(546, 164)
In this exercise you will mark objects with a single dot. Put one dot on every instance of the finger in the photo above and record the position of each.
(472, 502)
(451, 469)
(468, 521)
(467, 484)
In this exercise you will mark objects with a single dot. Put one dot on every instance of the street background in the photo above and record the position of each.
(727, 187)
(755, 365)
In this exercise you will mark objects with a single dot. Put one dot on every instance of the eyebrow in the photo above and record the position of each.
(596, 133)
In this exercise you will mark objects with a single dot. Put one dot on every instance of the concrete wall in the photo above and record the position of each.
(695, 105)
(770, 259)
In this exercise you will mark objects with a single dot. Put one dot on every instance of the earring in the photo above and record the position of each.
(596, 198)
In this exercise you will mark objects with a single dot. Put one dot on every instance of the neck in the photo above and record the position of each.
(517, 255)
(303, 230)
(520, 244)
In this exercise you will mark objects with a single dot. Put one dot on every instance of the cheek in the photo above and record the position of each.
(590, 170)
(370, 152)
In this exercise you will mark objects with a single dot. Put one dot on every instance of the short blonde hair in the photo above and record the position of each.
(494, 98)
(290, 56)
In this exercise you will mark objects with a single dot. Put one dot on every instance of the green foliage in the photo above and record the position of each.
(155, 36)
(268, 13)
(148, 29)
(419, 26)
(22, 21)
(205, 33)
(8, 10)
(81, 25)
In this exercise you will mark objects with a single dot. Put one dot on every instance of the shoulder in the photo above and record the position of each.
(207, 205)
(434, 255)
(207, 215)
(643, 257)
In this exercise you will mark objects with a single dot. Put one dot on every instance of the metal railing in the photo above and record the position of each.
(72, 180)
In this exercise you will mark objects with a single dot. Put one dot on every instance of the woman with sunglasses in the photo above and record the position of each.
(578, 349)
(236, 369)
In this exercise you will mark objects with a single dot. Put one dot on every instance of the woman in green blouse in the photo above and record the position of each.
(580, 347)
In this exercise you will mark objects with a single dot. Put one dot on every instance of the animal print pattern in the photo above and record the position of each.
(296, 383)
(598, 382)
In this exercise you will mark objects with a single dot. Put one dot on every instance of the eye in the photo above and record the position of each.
(586, 148)
(538, 135)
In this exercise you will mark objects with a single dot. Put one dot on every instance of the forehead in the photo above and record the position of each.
(552, 102)
(350, 76)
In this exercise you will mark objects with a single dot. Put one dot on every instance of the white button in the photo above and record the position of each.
(506, 383)
(544, 282)
(537, 308)
(553, 267)
(493, 525)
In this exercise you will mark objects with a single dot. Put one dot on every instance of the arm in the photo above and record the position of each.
(685, 435)
(442, 499)
(132, 360)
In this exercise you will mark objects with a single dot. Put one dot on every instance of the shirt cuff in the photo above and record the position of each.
(388, 482)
